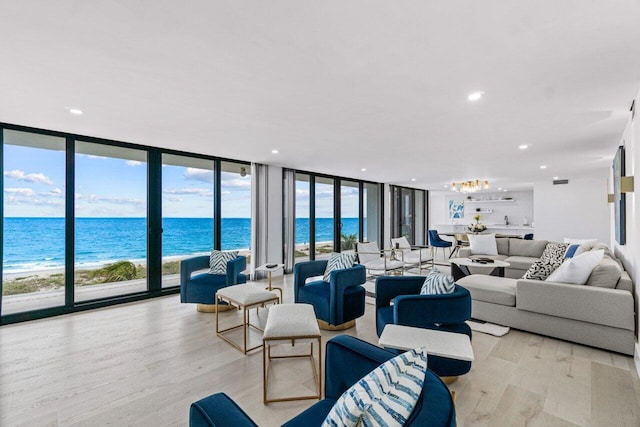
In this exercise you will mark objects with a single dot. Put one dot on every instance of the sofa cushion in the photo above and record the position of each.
(551, 259)
(483, 244)
(577, 270)
(530, 248)
(503, 245)
(437, 283)
(606, 274)
(385, 396)
(492, 289)
(520, 262)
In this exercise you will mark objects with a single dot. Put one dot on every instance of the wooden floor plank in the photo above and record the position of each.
(144, 363)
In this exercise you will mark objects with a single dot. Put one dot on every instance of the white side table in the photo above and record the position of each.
(438, 343)
(270, 268)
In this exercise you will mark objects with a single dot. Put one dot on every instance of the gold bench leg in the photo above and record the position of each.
(211, 308)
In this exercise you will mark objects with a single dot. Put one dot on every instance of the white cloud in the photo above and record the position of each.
(204, 175)
(133, 163)
(26, 192)
(204, 192)
(94, 199)
(19, 175)
(173, 199)
(56, 192)
(236, 183)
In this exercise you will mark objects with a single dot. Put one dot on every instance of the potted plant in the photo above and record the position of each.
(477, 227)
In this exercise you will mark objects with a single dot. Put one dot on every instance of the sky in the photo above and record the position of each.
(34, 186)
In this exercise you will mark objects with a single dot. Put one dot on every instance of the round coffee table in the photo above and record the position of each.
(460, 267)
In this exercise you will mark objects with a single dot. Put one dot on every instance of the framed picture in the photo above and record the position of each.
(456, 209)
(619, 197)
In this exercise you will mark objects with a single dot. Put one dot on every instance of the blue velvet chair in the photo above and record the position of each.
(201, 288)
(528, 236)
(347, 360)
(436, 242)
(338, 303)
(447, 312)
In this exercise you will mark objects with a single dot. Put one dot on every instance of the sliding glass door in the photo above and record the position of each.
(349, 215)
(110, 221)
(324, 220)
(187, 212)
(33, 238)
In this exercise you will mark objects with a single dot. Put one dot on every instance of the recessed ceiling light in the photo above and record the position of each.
(413, 180)
(363, 169)
(446, 186)
(274, 151)
(499, 188)
(543, 166)
(556, 177)
(504, 189)
(75, 111)
(475, 96)
(523, 147)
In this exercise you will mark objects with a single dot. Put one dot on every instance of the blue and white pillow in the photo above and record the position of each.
(437, 283)
(571, 251)
(218, 261)
(384, 397)
(338, 261)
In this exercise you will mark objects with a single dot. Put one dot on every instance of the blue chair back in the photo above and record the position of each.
(528, 236)
(435, 240)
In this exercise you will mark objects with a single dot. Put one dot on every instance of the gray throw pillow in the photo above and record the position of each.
(606, 274)
(550, 260)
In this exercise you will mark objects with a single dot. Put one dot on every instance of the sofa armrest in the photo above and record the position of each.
(218, 410)
(611, 307)
(464, 252)
(234, 269)
(303, 270)
(347, 360)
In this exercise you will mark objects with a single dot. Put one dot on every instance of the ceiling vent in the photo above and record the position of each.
(560, 181)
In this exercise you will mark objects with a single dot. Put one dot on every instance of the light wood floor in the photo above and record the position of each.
(144, 363)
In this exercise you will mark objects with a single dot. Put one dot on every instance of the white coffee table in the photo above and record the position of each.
(460, 267)
(270, 268)
(437, 343)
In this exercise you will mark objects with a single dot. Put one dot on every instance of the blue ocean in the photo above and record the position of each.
(38, 243)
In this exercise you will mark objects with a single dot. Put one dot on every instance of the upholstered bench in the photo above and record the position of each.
(288, 324)
(244, 297)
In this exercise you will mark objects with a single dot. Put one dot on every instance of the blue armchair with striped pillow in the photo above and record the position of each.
(444, 312)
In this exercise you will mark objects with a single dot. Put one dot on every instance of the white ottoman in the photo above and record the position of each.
(286, 324)
(245, 297)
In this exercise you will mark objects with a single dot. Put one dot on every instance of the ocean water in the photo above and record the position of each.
(38, 243)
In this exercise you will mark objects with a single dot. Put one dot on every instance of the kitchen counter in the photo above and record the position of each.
(517, 230)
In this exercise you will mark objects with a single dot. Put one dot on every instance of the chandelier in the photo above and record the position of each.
(470, 186)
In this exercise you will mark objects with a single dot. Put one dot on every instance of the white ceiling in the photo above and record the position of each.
(335, 86)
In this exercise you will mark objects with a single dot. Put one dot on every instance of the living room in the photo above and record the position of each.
(137, 134)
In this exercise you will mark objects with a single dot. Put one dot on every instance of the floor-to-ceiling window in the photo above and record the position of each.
(187, 212)
(349, 214)
(324, 220)
(302, 217)
(33, 238)
(110, 221)
(235, 204)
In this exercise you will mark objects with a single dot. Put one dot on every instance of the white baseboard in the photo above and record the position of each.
(636, 359)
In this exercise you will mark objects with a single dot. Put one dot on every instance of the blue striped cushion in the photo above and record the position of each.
(338, 261)
(437, 283)
(218, 261)
(384, 397)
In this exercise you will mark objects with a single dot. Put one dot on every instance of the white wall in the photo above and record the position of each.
(516, 211)
(630, 253)
(578, 209)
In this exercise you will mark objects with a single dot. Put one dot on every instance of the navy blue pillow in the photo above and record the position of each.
(571, 251)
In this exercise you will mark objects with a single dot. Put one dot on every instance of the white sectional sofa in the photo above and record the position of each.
(600, 313)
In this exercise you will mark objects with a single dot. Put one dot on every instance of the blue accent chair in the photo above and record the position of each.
(338, 302)
(347, 360)
(436, 242)
(201, 288)
(528, 236)
(447, 312)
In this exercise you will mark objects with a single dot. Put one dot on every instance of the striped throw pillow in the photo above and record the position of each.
(219, 259)
(384, 397)
(338, 261)
(437, 283)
